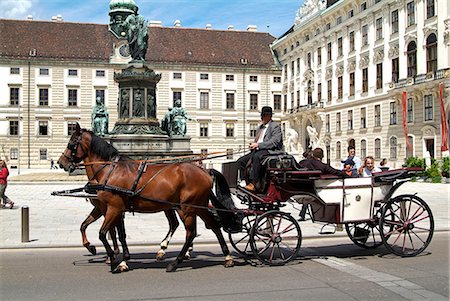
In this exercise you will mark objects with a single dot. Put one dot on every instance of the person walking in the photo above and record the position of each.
(268, 140)
(4, 173)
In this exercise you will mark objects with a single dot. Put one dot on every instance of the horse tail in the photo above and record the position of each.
(228, 214)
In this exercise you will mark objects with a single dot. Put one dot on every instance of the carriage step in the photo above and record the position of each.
(328, 229)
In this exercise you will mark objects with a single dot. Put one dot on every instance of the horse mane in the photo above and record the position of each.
(102, 148)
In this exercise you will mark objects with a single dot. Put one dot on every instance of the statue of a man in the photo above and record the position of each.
(313, 137)
(166, 122)
(151, 105)
(124, 104)
(138, 103)
(99, 118)
(137, 35)
(179, 117)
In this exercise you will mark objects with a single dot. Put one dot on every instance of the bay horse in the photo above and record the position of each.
(183, 186)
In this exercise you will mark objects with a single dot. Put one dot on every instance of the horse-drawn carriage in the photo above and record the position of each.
(366, 206)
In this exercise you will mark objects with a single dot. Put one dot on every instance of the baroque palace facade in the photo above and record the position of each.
(52, 72)
(342, 68)
(347, 65)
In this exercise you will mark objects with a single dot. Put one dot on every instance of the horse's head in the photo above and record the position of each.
(76, 151)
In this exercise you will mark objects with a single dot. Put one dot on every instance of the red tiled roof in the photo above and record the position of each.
(93, 42)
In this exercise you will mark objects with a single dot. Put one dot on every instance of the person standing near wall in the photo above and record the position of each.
(4, 173)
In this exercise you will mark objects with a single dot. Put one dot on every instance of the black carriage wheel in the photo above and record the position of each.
(366, 234)
(241, 240)
(275, 238)
(412, 225)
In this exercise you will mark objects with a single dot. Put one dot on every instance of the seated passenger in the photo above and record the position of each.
(369, 167)
(349, 168)
(268, 140)
(314, 162)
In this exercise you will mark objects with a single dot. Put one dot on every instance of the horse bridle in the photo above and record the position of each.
(73, 147)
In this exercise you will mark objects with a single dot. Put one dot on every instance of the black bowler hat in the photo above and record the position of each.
(266, 111)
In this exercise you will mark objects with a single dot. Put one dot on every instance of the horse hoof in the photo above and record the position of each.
(160, 256)
(108, 260)
(229, 263)
(93, 250)
(120, 268)
(171, 267)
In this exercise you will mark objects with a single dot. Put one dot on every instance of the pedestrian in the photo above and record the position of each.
(52, 164)
(4, 173)
(353, 157)
(383, 164)
(368, 168)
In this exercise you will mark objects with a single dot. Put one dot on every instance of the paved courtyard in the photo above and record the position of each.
(55, 221)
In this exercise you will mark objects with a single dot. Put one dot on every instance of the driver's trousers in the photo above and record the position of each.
(257, 156)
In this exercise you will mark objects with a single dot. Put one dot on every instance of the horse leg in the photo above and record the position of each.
(213, 224)
(190, 224)
(93, 216)
(122, 238)
(112, 233)
(173, 225)
(112, 219)
(191, 247)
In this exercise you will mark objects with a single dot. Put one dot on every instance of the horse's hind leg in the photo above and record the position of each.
(173, 225)
(211, 223)
(190, 224)
(93, 216)
(112, 233)
(122, 238)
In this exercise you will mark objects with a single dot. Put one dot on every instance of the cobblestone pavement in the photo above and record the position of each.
(55, 221)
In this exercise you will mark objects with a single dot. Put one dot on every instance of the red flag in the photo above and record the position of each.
(444, 126)
(405, 128)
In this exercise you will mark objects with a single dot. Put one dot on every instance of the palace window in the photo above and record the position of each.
(253, 130)
(352, 83)
(363, 118)
(14, 70)
(412, 59)
(14, 153)
(298, 65)
(363, 148)
(230, 101)
(428, 107)
(329, 53)
(13, 127)
(42, 154)
(72, 72)
(411, 14)
(73, 97)
(230, 129)
(394, 21)
(277, 102)
(393, 148)
(431, 53)
(254, 78)
(204, 100)
(378, 148)
(277, 79)
(350, 120)
(338, 150)
(100, 93)
(392, 113)
(380, 76)
(204, 76)
(203, 129)
(395, 70)
(338, 121)
(339, 42)
(229, 77)
(351, 40)
(430, 8)
(253, 101)
(340, 89)
(377, 115)
(43, 96)
(329, 93)
(100, 73)
(292, 69)
(71, 127)
(308, 60)
(43, 128)
(327, 123)
(43, 71)
(379, 29)
(319, 56)
(409, 110)
(176, 96)
(319, 92)
(177, 75)
(364, 35)
(363, 6)
(14, 96)
(365, 80)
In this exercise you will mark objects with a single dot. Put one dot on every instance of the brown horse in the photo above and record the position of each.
(159, 187)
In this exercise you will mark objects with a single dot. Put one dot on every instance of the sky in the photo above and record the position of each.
(274, 16)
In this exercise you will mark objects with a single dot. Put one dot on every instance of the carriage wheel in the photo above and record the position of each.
(412, 225)
(275, 238)
(241, 240)
(366, 234)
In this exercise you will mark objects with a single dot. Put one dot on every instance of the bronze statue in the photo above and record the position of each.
(178, 117)
(166, 122)
(138, 103)
(137, 35)
(151, 105)
(99, 118)
(124, 104)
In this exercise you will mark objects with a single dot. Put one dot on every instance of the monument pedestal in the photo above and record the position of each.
(137, 132)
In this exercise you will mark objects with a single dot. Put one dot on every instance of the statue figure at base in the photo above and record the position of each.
(99, 118)
(292, 140)
(178, 117)
(313, 137)
(166, 122)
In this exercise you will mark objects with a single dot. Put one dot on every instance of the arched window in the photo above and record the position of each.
(363, 148)
(412, 59)
(431, 53)
(393, 148)
(377, 148)
(338, 150)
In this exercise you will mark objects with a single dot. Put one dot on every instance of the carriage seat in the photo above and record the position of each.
(281, 160)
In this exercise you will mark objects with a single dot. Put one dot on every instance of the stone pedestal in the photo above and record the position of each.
(137, 132)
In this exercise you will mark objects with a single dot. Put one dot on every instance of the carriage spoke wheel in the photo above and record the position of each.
(366, 234)
(241, 240)
(412, 225)
(275, 238)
